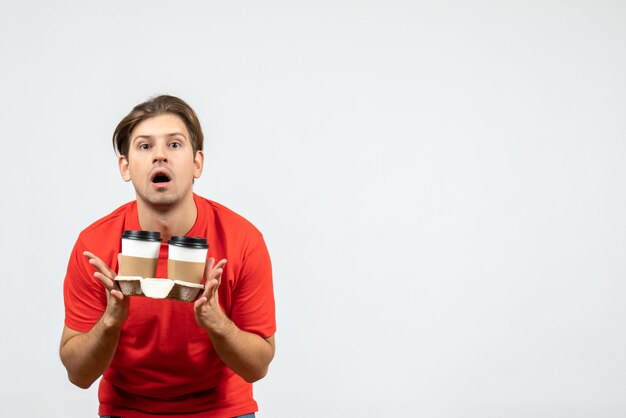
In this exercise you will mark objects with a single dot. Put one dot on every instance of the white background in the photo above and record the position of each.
(441, 186)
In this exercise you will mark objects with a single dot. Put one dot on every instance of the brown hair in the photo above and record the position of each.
(154, 107)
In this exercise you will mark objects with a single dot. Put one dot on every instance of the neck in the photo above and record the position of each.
(169, 220)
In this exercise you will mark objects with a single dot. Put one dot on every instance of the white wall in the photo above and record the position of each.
(441, 185)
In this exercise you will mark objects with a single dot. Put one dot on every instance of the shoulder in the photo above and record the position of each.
(227, 217)
(229, 228)
(102, 230)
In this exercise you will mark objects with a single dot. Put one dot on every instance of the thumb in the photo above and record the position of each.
(197, 305)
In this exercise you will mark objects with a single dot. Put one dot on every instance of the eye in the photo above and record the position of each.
(175, 145)
(144, 146)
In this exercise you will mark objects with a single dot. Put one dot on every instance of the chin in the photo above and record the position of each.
(161, 201)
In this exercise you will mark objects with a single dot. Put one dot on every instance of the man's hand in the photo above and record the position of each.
(86, 355)
(117, 304)
(209, 314)
(247, 354)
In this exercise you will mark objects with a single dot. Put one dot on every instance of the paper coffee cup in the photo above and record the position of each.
(186, 259)
(140, 253)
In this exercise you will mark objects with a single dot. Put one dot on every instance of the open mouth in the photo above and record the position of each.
(160, 178)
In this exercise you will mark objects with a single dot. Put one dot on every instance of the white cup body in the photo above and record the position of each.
(192, 255)
(140, 248)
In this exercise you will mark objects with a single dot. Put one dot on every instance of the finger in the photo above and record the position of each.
(106, 281)
(218, 281)
(208, 272)
(210, 294)
(208, 267)
(197, 306)
(99, 264)
(102, 268)
(91, 256)
(209, 287)
(117, 294)
(207, 275)
(221, 264)
(205, 292)
(218, 272)
(219, 267)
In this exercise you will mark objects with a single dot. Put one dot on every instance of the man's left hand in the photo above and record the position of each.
(207, 309)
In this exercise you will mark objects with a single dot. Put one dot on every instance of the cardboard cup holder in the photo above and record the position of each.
(159, 288)
(185, 291)
(129, 285)
(140, 255)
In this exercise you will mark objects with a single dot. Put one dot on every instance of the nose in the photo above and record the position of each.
(159, 153)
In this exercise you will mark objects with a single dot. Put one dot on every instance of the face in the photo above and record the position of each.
(161, 163)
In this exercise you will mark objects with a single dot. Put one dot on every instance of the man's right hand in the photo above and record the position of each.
(86, 355)
(117, 304)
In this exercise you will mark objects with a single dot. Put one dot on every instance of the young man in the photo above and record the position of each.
(158, 356)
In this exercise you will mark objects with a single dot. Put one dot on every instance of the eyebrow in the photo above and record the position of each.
(152, 136)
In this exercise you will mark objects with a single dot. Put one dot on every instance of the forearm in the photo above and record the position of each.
(247, 354)
(87, 355)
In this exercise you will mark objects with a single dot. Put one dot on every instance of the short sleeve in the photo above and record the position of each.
(84, 295)
(253, 307)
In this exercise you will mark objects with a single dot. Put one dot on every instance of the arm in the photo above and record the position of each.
(87, 355)
(247, 354)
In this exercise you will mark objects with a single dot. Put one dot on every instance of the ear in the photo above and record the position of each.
(124, 168)
(198, 164)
